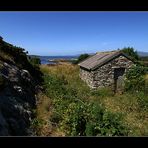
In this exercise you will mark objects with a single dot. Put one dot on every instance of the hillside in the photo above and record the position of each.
(19, 81)
(64, 105)
(68, 107)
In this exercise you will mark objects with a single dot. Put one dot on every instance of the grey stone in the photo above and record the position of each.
(104, 75)
(16, 101)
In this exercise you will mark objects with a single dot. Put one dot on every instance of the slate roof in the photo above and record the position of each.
(100, 58)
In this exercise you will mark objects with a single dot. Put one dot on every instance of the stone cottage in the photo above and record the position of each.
(105, 69)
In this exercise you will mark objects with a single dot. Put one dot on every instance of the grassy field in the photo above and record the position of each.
(64, 85)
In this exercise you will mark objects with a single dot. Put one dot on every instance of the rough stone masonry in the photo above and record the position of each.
(103, 75)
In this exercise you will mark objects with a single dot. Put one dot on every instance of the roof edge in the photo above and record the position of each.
(86, 59)
(111, 58)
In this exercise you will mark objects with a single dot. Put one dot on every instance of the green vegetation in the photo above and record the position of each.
(144, 58)
(135, 79)
(91, 119)
(143, 101)
(35, 61)
(67, 106)
(74, 113)
(136, 82)
(18, 56)
(130, 51)
(144, 61)
(81, 58)
(75, 110)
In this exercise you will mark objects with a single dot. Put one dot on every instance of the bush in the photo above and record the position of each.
(142, 101)
(18, 56)
(135, 80)
(130, 51)
(104, 123)
(55, 117)
(75, 114)
(36, 124)
(55, 87)
(35, 61)
(91, 119)
(74, 120)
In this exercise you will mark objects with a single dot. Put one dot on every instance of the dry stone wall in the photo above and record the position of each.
(104, 76)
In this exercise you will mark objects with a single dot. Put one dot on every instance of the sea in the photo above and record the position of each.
(45, 59)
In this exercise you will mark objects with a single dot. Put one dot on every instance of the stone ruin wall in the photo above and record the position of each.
(104, 75)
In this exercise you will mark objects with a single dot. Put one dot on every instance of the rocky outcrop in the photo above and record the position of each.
(17, 101)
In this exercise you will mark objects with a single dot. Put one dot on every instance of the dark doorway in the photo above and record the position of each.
(118, 79)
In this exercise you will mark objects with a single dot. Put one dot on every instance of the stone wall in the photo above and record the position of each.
(86, 76)
(104, 75)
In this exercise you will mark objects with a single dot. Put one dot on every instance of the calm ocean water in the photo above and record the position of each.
(44, 59)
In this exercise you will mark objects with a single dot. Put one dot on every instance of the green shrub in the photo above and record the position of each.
(142, 100)
(35, 61)
(36, 122)
(75, 114)
(36, 125)
(55, 87)
(74, 120)
(135, 80)
(130, 51)
(80, 118)
(104, 123)
(55, 117)
(18, 56)
(91, 119)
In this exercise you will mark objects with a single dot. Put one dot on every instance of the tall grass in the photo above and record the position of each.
(134, 114)
(71, 101)
(68, 93)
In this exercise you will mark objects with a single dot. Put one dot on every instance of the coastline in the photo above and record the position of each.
(53, 60)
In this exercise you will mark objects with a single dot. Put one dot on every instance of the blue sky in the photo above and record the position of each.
(72, 33)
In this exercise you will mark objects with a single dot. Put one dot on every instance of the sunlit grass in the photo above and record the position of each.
(43, 112)
(134, 117)
(127, 104)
